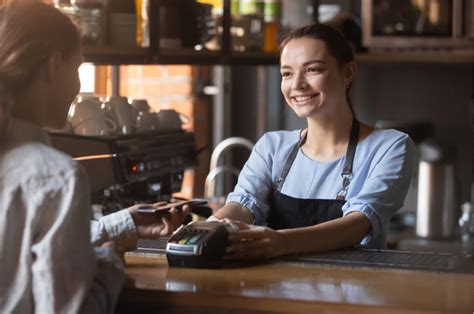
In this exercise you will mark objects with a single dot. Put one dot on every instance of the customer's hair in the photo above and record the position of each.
(29, 33)
(335, 42)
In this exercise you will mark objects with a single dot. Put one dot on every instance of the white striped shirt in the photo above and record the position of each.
(47, 262)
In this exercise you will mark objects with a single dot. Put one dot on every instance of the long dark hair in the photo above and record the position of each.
(29, 33)
(335, 41)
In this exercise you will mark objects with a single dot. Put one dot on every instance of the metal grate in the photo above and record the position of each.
(391, 259)
(423, 261)
(152, 246)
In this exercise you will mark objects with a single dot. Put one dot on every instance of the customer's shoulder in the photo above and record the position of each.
(38, 159)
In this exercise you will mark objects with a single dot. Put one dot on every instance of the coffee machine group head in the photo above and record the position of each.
(125, 170)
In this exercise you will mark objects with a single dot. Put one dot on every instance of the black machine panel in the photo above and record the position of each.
(135, 168)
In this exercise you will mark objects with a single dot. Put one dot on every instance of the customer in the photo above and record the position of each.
(333, 185)
(47, 262)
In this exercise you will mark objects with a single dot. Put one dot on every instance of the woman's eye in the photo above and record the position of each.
(314, 70)
(285, 74)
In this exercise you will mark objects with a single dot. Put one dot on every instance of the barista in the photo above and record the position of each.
(332, 185)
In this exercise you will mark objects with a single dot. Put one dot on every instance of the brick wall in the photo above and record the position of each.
(173, 87)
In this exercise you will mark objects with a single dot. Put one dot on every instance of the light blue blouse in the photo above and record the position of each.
(382, 171)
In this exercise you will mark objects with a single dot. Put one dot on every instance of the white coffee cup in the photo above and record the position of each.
(87, 118)
(67, 129)
(141, 105)
(84, 107)
(144, 118)
(145, 122)
(95, 127)
(119, 110)
(170, 120)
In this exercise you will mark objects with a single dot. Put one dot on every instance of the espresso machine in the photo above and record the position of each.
(129, 169)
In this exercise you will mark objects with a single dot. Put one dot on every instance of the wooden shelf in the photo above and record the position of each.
(134, 55)
(255, 58)
(186, 56)
(115, 55)
(417, 56)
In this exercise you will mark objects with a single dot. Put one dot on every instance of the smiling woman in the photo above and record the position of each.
(313, 81)
(332, 185)
(336, 47)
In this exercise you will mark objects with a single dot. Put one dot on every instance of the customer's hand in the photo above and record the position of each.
(150, 227)
(117, 249)
(252, 242)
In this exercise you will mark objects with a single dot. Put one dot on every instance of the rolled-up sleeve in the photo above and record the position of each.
(255, 183)
(385, 189)
(117, 226)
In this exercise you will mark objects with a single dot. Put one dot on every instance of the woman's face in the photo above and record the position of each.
(313, 83)
(67, 86)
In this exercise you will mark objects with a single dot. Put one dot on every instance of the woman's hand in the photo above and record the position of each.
(253, 242)
(150, 227)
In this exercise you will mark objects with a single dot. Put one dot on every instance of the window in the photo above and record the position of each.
(87, 77)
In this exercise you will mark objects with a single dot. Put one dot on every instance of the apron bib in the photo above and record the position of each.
(289, 212)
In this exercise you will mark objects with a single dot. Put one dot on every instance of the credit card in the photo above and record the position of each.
(164, 210)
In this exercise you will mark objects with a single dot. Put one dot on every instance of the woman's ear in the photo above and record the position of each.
(349, 73)
(53, 66)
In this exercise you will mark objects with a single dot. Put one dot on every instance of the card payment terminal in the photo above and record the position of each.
(200, 244)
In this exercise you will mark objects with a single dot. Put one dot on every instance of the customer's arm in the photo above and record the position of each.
(118, 227)
(126, 226)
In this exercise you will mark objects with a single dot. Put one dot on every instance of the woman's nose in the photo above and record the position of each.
(299, 82)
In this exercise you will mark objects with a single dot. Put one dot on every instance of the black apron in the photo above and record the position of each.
(289, 212)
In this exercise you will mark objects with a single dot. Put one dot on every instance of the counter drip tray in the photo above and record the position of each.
(423, 261)
(152, 246)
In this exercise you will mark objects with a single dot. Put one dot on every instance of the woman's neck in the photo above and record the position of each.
(328, 136)
(29, 106)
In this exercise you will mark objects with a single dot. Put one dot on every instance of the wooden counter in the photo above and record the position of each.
(286, 287)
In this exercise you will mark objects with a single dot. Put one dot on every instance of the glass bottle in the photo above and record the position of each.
(272, 14)
(142, 8)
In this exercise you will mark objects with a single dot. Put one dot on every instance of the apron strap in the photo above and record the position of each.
(349, 160)
(289, 161)
(346, 171)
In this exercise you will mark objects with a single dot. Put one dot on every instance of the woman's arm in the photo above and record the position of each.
(249, 200)
(335, 234)
(235, 211)
(262, 242)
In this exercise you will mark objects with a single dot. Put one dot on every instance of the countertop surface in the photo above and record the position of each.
(290, 286)
(407, 240)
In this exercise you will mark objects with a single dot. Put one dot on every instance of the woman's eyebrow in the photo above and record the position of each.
(314, 61)
(305, 64)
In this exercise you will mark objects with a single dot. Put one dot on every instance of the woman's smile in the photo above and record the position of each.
(302, 100)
